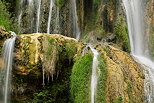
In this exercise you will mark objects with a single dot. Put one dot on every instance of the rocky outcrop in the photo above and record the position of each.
(120, 77)
(42, 59)
(125, 77)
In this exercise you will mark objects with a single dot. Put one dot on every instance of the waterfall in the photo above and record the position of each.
(94, 76)
(139, 45)
(38, 15)
(50, 15)
(5, 72)
(76, 30)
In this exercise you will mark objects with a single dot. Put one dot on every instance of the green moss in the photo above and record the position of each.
(129, 88)
(97, 2)
(102, 80)
(80, 79)
(118, 100)
(60, 3)
(70, 49)
(120, 29)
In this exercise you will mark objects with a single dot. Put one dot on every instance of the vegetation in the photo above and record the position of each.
(118, 100)
(80, 79)
(51, 94)
(120, 30)
(102, 79)
(60, 3)
(5, 17)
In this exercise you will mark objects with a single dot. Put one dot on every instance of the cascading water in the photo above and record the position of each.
(139, 45)
(94, 77)
(38, 15)
(50, 15)
(5, 72)
(76, 30)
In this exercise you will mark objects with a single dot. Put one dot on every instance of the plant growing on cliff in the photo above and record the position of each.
(60, 3)
(5, 17)
(120, 30)
(80, 79)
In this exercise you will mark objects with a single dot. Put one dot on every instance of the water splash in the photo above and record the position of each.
(76, 30)
(50, 15)
(94, 76)
(139, 45)
(5, 72)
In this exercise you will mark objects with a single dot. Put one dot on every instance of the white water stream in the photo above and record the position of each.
(50, 15)
(6, 71)
(76, 30)
(94, 76)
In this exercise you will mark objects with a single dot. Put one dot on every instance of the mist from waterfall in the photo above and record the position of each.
(6, 71)
(139, 43)
(76, 30)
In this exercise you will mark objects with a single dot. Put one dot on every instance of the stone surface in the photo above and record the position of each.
(124, 78)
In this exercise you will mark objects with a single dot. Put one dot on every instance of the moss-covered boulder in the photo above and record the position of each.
(57, 69)
(120, 78)
(40, 59)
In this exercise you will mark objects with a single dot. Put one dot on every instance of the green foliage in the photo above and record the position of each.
(70, 49)
(5, 17)
(129, 88)
(120, 29)
(80, 79)
(97, 2)
(102, 80)
(118, 100)
(60, 3)
(49, 94)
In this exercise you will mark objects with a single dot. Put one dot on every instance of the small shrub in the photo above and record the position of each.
(122, 39)
(5, 17)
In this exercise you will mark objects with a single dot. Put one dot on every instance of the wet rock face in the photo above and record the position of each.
(125, 78)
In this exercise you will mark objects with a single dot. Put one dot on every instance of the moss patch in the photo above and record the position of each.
(101, 95)
(80, 79)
